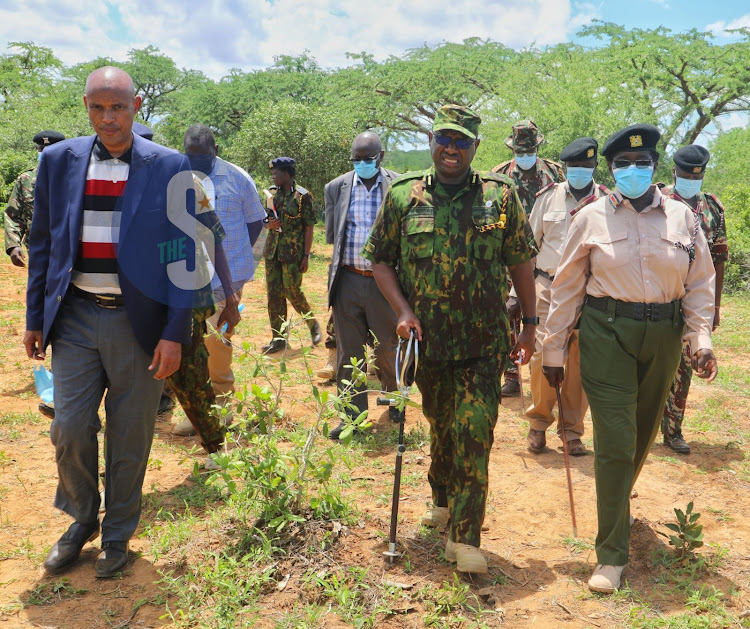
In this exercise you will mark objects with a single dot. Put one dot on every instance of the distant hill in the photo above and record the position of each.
(405, 161)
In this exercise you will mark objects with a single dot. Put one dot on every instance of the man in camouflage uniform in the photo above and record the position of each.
(531, 174)
(21, 203)
(287, 252)
(690, 168)
(440, 247)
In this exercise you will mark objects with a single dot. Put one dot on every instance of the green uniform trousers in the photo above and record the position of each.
(284, 281)
(192, 386)
(627, 367)
(460, 400)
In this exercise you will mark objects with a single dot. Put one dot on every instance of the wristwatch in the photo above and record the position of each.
(530, 320)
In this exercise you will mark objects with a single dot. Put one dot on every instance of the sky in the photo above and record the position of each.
(216, 35)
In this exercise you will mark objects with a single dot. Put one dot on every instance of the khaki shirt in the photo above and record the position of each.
(554, 209)
(614, 251)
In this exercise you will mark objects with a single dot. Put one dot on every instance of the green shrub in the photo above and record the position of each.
(736, 200)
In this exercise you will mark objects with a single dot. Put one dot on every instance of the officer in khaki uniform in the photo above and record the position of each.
(637, 269)
(440, 246)
(689, 170)
(530, 173)
(287, 252)
(555, 207)
(21, 203)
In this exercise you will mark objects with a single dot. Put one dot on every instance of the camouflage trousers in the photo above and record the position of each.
(674, 409)
(284, 281)
(460, 400)
(330, 333)
(192, 386)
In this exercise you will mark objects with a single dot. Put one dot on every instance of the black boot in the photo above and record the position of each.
(677, 443)
(274, 346)
(315, 332)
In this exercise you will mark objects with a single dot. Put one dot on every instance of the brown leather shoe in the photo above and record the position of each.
(537, 440)
(576, 447)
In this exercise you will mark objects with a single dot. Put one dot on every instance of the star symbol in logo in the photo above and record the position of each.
(205, 203)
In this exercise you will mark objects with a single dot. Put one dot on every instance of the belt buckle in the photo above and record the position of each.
(639, 311)
(106, 301)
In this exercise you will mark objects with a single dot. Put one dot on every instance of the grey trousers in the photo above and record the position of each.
(94, 351)
(359, 307)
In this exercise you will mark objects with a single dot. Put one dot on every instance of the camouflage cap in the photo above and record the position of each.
(457, 118)
(525, 137)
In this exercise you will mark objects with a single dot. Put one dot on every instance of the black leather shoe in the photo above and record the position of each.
(511, 388)
(315, 333)
(394, 415)
(336, 432)
(677, 443)
(47, 410)
(537, 440)
(166, 403)
(274, 346)
(112, 559)
(68, 548)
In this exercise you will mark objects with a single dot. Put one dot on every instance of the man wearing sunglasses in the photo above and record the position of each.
(351, 204)
(689, 170)
(440, 247)
(637, 268)
(531, 174)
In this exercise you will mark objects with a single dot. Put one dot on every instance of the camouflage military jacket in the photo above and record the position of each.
(295, 212)
(530, 182)
(450, 254)
(711, 214)
(20, 210)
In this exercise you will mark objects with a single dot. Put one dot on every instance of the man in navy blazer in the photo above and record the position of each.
(359, 308)
(107, 290)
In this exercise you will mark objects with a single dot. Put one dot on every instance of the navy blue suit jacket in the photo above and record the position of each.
(56, 229)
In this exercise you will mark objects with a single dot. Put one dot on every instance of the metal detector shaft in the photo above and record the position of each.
(567, 459)
(396, 489)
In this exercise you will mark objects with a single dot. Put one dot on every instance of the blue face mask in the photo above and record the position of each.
(579, 177)
(687, 188)
(526, 161)
(366, 169)
(39, 158)
(633, 182)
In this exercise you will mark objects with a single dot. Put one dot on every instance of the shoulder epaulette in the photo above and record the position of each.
(486, 175)
(604, 190)
(557, 167)
(547, 187)
(301, 190)
(500, 167)
(713, 197)
(414, 174)
(584, 202)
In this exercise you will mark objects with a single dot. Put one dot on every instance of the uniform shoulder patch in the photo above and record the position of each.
(495, 176)
(547, 187)
(302, 191)
(711, 197)
(414, 174)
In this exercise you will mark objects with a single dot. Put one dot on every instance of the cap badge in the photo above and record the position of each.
(636, 140)
(590, 153)
(697, 169)
(45, 140)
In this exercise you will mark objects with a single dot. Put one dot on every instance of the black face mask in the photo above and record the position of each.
(201, 162)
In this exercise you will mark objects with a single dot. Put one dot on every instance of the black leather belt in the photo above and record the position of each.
(630, 310)
(538, 272)
(103, 301)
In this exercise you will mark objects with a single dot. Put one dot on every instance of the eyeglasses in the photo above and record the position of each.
(638, 163)
(461, 143)
(354, 160)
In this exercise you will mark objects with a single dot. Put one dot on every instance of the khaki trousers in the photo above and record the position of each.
(543, 396)
(220, 354)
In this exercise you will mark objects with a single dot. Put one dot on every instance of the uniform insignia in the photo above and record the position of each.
(697, 169)
(636, 140)
(590, 153)
(543, 190)
(45, 140)
(488, 204)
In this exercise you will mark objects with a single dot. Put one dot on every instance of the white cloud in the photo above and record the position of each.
(220, 34)
(719, 28)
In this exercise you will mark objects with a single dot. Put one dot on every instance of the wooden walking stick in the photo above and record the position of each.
(520, 378)
(561, 420)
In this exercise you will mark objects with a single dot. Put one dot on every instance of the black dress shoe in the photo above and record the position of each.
(336, 432)
(315, 333)
(68, 548)
(166, 403)
(47, 410)
(274, 346)
(394, 414)
(112, 559)
(677, 443)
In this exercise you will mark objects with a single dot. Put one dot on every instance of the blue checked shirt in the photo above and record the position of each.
(363, 207)
(234, 197)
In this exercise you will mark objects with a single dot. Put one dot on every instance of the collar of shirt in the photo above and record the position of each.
(437, 188)
(617, 200)
(101, 154)
(359, 182)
